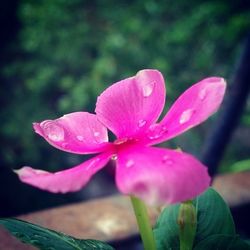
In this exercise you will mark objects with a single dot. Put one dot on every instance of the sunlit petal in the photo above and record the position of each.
(130, 106)
(193, 107)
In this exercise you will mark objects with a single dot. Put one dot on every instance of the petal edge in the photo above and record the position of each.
(69, 180)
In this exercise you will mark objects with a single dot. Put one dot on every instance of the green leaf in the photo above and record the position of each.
(166, 229)
(225, 242)
(213, 217)
(46, 239)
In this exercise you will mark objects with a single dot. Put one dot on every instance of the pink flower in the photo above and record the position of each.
(130, 109)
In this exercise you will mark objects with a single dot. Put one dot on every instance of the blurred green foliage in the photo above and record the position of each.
(240, 166)
(67, 52)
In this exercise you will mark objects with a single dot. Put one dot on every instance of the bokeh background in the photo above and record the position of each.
(57, 56)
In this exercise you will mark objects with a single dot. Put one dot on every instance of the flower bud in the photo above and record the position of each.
(187, 221)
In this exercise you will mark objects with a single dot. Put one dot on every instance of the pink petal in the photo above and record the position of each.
(69, 180)
(160, 176)
(194, 106)
(130, 106)
(78, 132)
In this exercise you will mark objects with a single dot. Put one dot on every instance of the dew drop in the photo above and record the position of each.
(114, 157)
(153, 127)
(166, 159)
(164, 128)
(96, 134)
(97, 137)
(65, 145)
(222, 80)
(202, 94)
(130, 163)
(92, 164)
(141, 123)
(53, 131)
(154, 136)
(147, 89)
(39, 171)
(79, 138)
(120, 141)
(186, 115)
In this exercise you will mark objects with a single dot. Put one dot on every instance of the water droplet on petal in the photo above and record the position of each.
(97, 137)
(53, 131)
(186, 115)
(65, 145)
(141, 123)
(92, 164)
(79, 137)
(156, 131)
(114, 157)
(130, 163)
(222, 80)
(164, 128)
(169, 162)
(147, 89)
(153, 127)
(96, 134)
(166, 159)
(120, 141)
(39, 171)
(202, 94)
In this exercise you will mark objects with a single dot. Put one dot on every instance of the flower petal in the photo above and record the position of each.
(69, 180)
(194, 106)
(129, 106)
(160, 176)
(78, 132)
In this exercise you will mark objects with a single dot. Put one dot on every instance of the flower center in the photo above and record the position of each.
(120, 141)
(120, 144)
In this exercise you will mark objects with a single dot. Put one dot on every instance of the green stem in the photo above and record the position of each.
(143, 222)
(184, 246)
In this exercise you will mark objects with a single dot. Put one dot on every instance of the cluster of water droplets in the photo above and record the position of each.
(96, 135)
(56, 133)
(156, 131)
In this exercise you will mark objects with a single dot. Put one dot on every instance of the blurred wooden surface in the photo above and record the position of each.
(234, 188)
(104, 219)
(112, 218)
